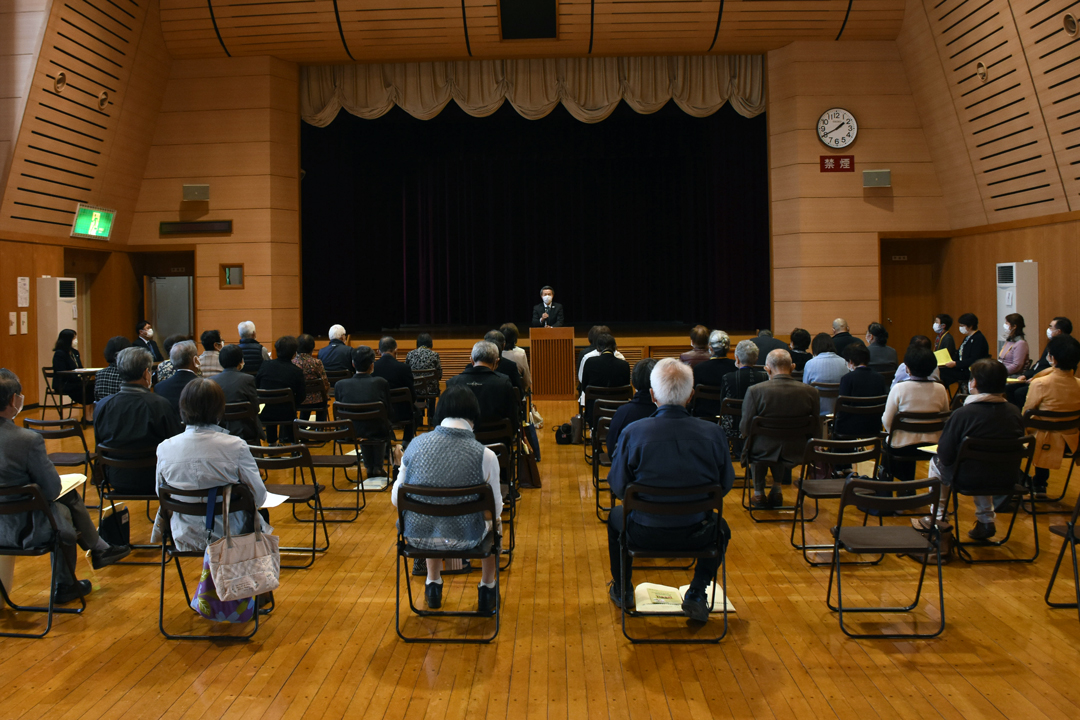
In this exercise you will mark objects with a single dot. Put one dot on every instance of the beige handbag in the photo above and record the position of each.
(243, 566)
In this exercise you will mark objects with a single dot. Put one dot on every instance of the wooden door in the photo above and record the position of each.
(909, 296)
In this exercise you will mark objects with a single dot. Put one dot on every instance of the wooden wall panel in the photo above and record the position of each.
(19, 352)
(21, 22)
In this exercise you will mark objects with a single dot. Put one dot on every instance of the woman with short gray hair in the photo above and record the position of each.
(735, 386)
(712, 372)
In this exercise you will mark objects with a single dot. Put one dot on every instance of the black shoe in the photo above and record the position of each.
(487, 598)
(108, 556)
(515, 494)
(625, 601)
(776, 497)
(1008, 507)
(433, 595)
(758, 502)
(982, 531)
(68, 593)
(696, 605)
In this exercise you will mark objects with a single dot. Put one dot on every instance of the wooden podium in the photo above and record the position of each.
(552, 363)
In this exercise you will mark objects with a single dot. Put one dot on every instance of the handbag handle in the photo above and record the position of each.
(211, 502)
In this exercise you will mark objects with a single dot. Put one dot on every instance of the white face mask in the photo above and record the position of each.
(937, 327)
(547, 299)
(963, 330)
(1006, 327)
(1049, 333)
(75, 343)
(971, 388)
(149, 333)
(19, 405)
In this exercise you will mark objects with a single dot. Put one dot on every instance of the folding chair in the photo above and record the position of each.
(23, 500)
(919, 423)
(1049, 421)
(278, 396)
(125, 459)
(674, 501)
(827, 391)
(709, 393)
(867, 495)
(335, 376)
(423, 395)
(502, 432)
(295, 457)
(340, 434)
(59, 430)
(826, 453)
(57, 397)
(780, 428)
(600, 458)
(509, 509)
(873, 407)
(1001, 453)
(200, 504)
(319, 407)
(445, 503)
(732, 407)
(244, 412)
(1069, 539)
(367, 412)
(403, 396)
(623, 392)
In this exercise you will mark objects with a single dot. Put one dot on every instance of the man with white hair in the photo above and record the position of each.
(781, 397)
(184, 356)
(841, 336)
(254, 352)
(493, 390)
(337, 355)
(670, 449)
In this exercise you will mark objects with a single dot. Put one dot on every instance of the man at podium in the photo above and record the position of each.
(548, 313)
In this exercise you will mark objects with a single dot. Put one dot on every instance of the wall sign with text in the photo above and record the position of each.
(837, 163)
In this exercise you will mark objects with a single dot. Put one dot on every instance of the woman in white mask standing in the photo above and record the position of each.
(1014, 353)
(972, 349)
(943, 339)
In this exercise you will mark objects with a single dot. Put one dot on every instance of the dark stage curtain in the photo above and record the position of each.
(658, 218)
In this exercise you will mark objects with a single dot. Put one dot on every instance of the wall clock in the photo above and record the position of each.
(837, 128)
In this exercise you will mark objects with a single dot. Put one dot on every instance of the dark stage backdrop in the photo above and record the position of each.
(460, 220)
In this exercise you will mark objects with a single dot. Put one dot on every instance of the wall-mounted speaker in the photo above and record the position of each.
(196, 193)
(876, 178)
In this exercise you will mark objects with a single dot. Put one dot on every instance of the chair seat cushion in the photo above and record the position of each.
(826, 488)
(69, 459)
(295, 493)
(888, 539)
(1060, 530)
(482, 550)
(335, 461)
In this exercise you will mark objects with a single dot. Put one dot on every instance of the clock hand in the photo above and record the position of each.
(834, 130)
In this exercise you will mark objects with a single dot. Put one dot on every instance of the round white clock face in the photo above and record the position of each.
(837, 128)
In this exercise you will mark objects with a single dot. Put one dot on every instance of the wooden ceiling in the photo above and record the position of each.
(325, 31)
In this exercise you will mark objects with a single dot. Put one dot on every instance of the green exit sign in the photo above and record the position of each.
(93, 223)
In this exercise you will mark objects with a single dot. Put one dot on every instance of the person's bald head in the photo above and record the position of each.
(839, 325)
(778, 362)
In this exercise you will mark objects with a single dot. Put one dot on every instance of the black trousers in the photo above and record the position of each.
(691, 537)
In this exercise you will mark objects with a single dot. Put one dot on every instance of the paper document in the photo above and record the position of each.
(650, 597)
(943, 357)
(932, 449)
(1014, 380)
(273, 500)
(70, 482)
(261, 406)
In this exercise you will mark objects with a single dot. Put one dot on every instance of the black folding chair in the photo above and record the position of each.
(674, 501)
(1069, 539)
(503, 432)
(125, 459)
(319, 407)
(335, 376)
(872, 407)
(709, 393)
(59, 430)
(732, 407)
(601, 459)
(424, 394)
(873, 495)
(24, 500)
(593, 393)
(368, 412)
(1049, 421)
(247, 413)
(271, 397)
(509, 508)
(1008, 455)
(400, 397)
(341, 435)
(295, 458)
(445, 503)
(55, 395)
(778, 428)
(172, 502)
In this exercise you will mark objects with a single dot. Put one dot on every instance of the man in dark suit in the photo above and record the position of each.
(493, 391)
(337, 355)
(862, 382)
(604, 370)
(239, 387)
(134, 418)
(183, 356)
(365, 387)
(398, 375)
(781, 397)
(23, 461)
(145, 340)
(277, 374)
(842, 337)
(506, 366)
(548, 313)
(766, 343)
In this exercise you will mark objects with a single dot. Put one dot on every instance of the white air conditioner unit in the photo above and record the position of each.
(1018, 292)
(56, 311)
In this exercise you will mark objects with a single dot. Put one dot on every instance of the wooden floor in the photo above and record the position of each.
(330, 651)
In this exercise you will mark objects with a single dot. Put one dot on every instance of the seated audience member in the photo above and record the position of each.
(512, 352)
(605, 371)
(278, 374)
(882, 357)
(943, 339)
(973, 349)
(800, 348)
(671, 449)
(166, 369)
(1014, 353)
(1017, 392)
(859, 382)
(134, 419)
(781, 397)
(209, 364)
(366, 387)
(24, 461)
(108, 381)
(595, 332)
(185, 363)
(144, 338)
(448, 457)
(505, 366)
(825, 367)
(1056, 391)
(398, 375)
(204, 456)
(493, 391)
(841, 335)
(711, 373)
(66, 358)
(902, 372)
(254, 353)
(699, 352)
(425, 359)
(336, 356)
(313, 371)
(736, 384)
(986, 416)
(766, 343)
(239, 387)
(918, 393)
(640, 406)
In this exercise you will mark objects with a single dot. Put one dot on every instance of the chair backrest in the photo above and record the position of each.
(827, 390)
(502, 453)
(422, 380)
(599, 436)
(441, 502)
(622, 392)
(732, 407)
(842, 452)
(240, 411)
(918, 423)
(335, 375)
(783, 428)
(48, 373)
(325, 431)
(1052, 421)
(402, 395)
(986, 466)
(495, 432)
(867, 495)
(695, 499)
(56, 429)
(29, 498)
(275, 396)
(360, 412)
(241, 499)
(282, 457)
(709, 392)
(607, 408)
(852, 405)
(127, 458)
(315, 387)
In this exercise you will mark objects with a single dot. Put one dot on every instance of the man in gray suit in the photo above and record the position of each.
(23, 461)
(239, 387)
(781, 397)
